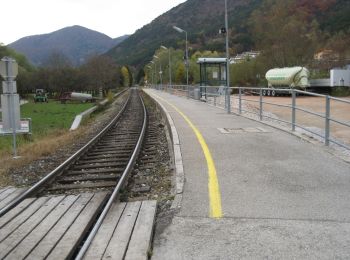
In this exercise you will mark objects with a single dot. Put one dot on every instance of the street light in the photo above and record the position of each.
(154, 73)
(165, 48)
(228, 98)
(150, 69)
(160, 69)
(183, 31)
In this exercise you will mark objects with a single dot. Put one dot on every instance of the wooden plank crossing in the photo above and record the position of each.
(53, 227)
(48, 227)
(126, 232)
(8, 194)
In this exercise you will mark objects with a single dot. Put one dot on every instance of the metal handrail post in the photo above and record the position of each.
(293, 109)
(240, 101)
(261, 105)
(228, 90)
(327, 118)
(187, 64)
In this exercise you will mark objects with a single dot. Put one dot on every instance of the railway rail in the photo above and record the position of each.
(99, 169)
(102, 162)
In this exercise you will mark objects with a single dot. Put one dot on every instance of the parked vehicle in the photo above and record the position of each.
(82, 97)
(298, 78)
(40, 96)
(292, 77)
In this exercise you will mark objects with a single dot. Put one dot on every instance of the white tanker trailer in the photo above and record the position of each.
(286, 78)
(82, 97)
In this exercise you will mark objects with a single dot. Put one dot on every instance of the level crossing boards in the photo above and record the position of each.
(126, 232)
(54, 227)
(48, 226)
(7, 194)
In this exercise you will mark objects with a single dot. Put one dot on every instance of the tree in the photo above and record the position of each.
(140, 76)
(57, 60)
(247, 73)
(100, 72)
(339, 44)
(285, 33)
(125, 79)
(131, 79)
(180, 73)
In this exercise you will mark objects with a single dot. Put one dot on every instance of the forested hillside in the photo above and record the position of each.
(200, 18)
(254, 24)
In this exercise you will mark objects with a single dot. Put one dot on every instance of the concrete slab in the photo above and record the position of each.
(278, 192)
(229, 238)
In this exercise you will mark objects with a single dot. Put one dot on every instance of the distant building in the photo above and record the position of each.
(245, 56)
(326, 55)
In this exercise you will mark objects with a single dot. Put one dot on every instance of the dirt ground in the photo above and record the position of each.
(339, 111)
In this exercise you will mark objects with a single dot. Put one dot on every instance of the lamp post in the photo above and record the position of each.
(228, 98)
(183, 31)
(153, 77)
(165, 48)
(160, 70)
(150, 71)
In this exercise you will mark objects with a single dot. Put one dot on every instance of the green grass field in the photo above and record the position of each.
(46, 118)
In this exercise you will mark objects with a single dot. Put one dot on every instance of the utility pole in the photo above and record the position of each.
(228, 97)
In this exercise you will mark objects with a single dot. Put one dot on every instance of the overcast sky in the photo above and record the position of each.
(20, 18)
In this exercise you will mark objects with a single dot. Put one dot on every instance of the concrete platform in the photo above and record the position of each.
(281, 197)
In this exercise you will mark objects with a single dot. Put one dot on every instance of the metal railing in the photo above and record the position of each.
(214, 94)
(326, 115)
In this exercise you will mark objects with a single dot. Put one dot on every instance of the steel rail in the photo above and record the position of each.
(116, 190)
(256, 88)
(40, 184)
(249, 100)
(277, 105)
(249, 112)
(309, 93)
(310, 112)
(340, 144)
(280, 120)
(307, 130)
(339, 122)
(340, 99)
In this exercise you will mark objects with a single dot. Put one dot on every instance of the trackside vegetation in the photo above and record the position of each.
(47, 118)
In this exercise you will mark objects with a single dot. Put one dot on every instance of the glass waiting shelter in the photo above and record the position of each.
(212, 73)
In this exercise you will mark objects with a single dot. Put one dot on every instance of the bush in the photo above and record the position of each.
(340, 92)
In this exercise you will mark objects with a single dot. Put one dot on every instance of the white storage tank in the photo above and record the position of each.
(293, 77)
(80, 96)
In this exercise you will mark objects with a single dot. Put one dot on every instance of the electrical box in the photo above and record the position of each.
(340, 78)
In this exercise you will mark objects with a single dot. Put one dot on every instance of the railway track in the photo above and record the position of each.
(85, 189)
(103, 163)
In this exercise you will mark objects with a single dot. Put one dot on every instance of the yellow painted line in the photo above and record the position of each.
(213, 184)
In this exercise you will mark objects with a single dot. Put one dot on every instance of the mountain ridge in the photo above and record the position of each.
(75, 42)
